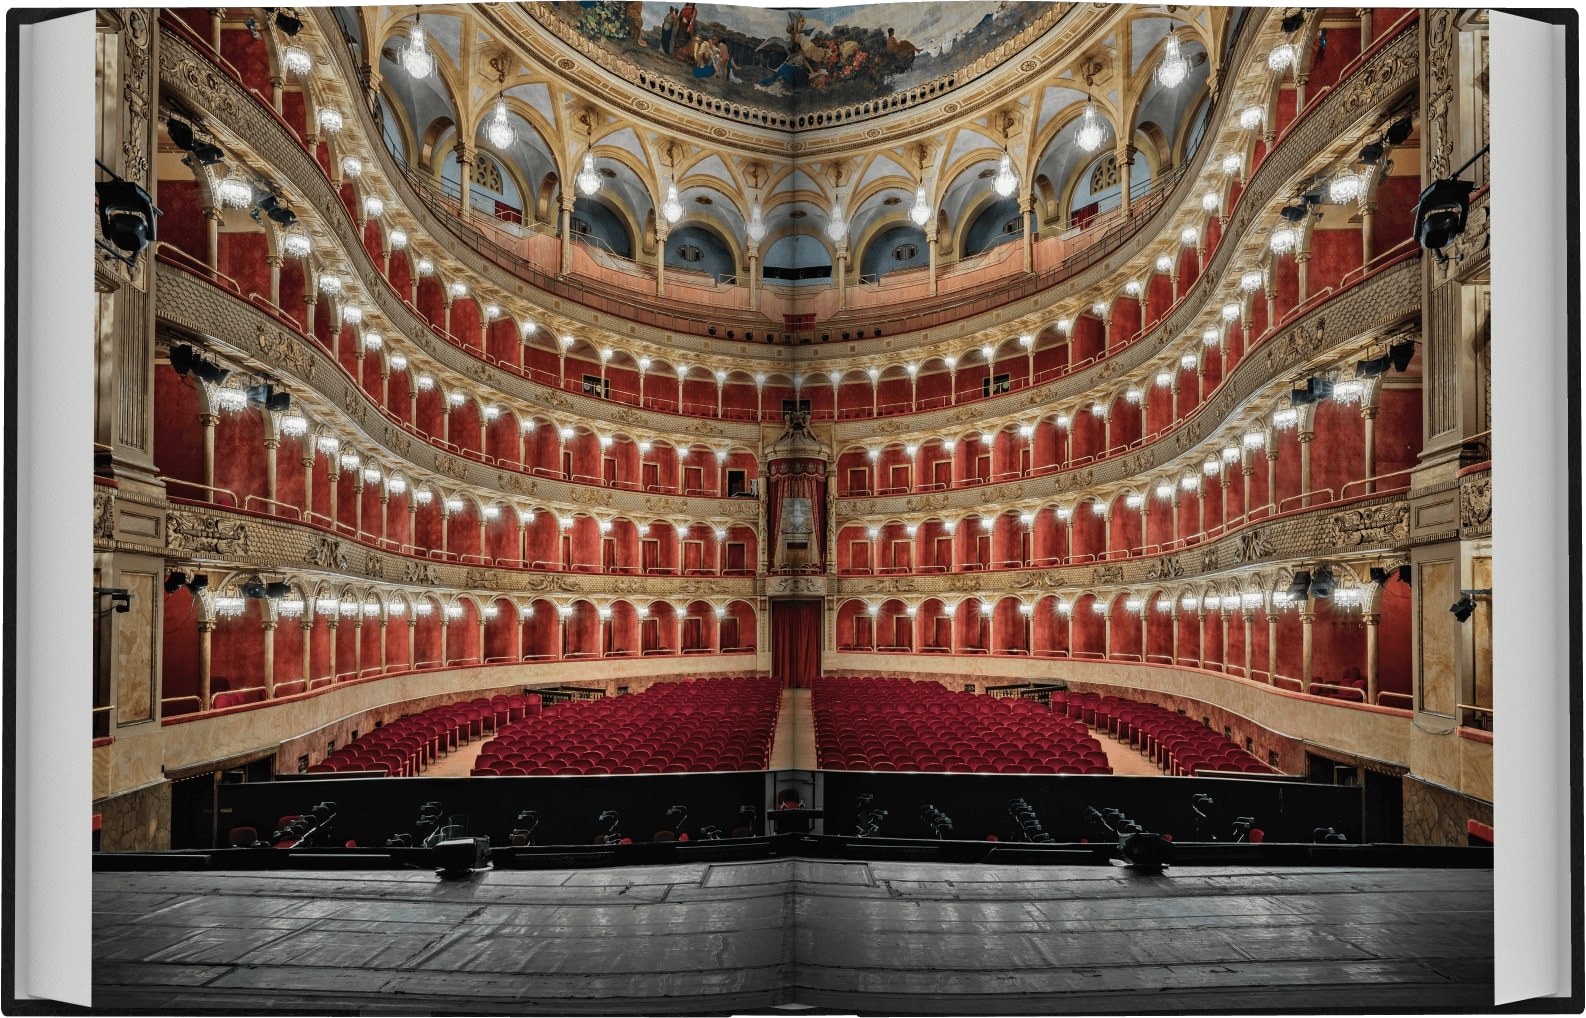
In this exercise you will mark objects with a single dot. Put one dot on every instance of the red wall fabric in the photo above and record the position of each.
(796, 642)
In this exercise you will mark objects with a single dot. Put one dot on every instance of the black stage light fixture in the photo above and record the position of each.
(1145, 850)
(187, 361)
(202, 152)
(1379, 575)
(1399, 130)
(845, 335)
(283, 216)
(1402, 353)
(1300, 586)
(266, 395)
(1322, 583)
(277, 590)
(1294, 213)
(288, 24)
(1405, 571)
(1373, 367)
(711, 330)
(1292, 23)
(1371, 154)
(254, 591)
(456, 858)
(878, 332)
(1463, 608)
(1315, 390)
(748, 337)
(175, 582)
(198, 582)
(1440, 214)
(126, 215)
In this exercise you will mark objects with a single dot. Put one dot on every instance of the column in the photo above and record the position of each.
(660, 256)
(1305, 467)
(1026, 205)
(465, 173)
(306, 624)
(567, 230)
(1272, 648)
(275, 262)
(413, 653)
(842, 274)
(209, 421)
(1369, 413)
(1368, 212)
(1250, 629)
(1125, 156)
(271, 447)
(1272, 477)
(332, 623)
(1372, 620)
(754, 279)
(930, 248)
(269, 658)
(206, 627)
(212, 217)
(1306, 645)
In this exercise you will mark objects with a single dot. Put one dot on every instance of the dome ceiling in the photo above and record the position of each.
(811, 58)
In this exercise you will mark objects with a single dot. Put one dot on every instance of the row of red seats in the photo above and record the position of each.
(1178, 744)
(716, 724)
(894, 724)
(405, 747)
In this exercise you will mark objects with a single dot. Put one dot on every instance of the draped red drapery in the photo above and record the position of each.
(796, 642)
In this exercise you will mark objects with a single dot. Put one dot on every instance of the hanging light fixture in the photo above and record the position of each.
(1251, 281)
(1251, 117)
(297, 60)
(416, 58)
(296, 244)
(1211, 201)
(330, 120)
(498, 131)
(921, 212)
(756, 228)
(1006, 181)
(672, 208)
(352, 166)
(1164, 264)
(373, 206)
(399, 239)
(234, 192)
(1282, 241)
(1091, 129)
(1344, 188)
(1233, 163)
(1174, 68)
(1281, 57)
(588, 178)
(836, 225)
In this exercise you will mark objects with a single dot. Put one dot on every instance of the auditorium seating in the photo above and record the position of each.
(1178, 744)
(406, 746)
(895, 724)
(716, 724)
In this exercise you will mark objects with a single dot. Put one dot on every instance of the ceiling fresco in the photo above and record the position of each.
(801, 58)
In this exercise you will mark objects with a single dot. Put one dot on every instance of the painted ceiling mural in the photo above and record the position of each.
(801, 57)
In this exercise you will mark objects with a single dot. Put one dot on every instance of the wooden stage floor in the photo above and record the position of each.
(866, 937)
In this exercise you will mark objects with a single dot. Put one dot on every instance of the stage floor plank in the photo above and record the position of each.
(876, 937)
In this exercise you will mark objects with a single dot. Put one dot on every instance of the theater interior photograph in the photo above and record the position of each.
(630, 508)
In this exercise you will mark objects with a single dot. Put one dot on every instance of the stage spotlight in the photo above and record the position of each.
(456, 858)
(198, 582)
(1322, 583)
(1300, 586)
(1294, 213)
(1440, 214)
(1371, 154)
(288, 24)
(1316, 389)
(1399, 130)
(1379, 575)
(271, 400)
(175, 582)
(1463, 608)
(276, 591)
(187, 361)
(1292, 23)
(1373, 367)
(126, 215)
(201, 152)
(1402, 353)
(253, 590)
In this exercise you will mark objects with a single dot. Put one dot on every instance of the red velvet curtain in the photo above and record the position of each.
(796, 642)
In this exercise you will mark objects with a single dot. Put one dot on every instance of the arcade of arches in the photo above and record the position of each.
(601, 398)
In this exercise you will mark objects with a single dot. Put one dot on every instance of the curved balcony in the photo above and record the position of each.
(1390, 70)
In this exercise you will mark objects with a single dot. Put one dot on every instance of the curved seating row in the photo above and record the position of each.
(1178, 744)
(406, 746)
(894, 724)
(673, 727)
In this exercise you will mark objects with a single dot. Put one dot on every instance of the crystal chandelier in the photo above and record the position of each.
(1281, 57)
(1006, 181)
(297, 245)
(1250, 117)
(588, 179)
(234, 192)
(1174, 68)
(416, 58)
(373, 206)
(399, 239)
(1250, 282)
(1090, 129)
(1282, 241)
(1344, 188)
(329, 283)
(1232, 163)
(921, 212)
(1164, 264)
(756, 228)
(1285, 418)
(1352, 390)
(297, 60)
(352, 166)
(1211, 200)
(497, 130)
(330, 119)
(672, 208)
(836, 226)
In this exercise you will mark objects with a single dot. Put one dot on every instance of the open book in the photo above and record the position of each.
(849, 454)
